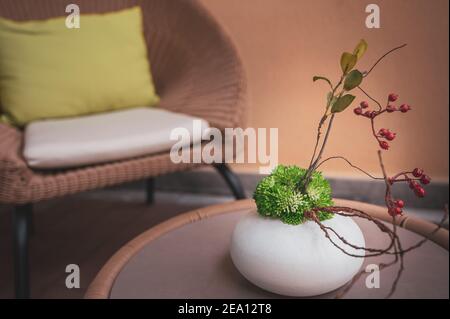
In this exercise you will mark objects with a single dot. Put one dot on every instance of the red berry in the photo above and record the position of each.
(390, 136)
(425, 179)
(417, 172)
(383, 132)
(394, 211)
(367, 113)
(399, 203)
(364, 105)
(358, 111)
(404, 108)
(391, 108)
(413, 185)
(393, 97)
(420, 192)
(384, 145)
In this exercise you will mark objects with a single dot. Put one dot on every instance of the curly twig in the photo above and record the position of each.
(382, 57)
(371, 98)
(352, 165)
(394, 248)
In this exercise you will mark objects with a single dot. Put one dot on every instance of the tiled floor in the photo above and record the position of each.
(87, 229)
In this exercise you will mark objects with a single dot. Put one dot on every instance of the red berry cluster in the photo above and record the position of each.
(415, 179)
(397, 208)
(383, 134)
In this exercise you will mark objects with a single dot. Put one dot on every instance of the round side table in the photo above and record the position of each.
(188, 257)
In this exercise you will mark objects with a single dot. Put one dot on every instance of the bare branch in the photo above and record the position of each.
(352, 165)
(371, 98)
(382, 57)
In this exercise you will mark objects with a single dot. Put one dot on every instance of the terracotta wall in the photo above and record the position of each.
(283, 43)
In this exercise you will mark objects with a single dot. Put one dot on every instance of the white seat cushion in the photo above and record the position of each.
(101, 138)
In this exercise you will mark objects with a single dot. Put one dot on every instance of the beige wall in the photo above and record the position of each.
(283, 43)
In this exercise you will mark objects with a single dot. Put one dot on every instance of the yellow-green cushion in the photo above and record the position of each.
(50, 71)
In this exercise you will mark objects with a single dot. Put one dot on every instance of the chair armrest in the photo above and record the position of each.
(11, 149)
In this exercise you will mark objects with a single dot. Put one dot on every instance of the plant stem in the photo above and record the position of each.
(388, 197)
(324, 118)
(314, 163)
(366, 94)
(325, 140)
(303, 184)
(351, 164)
(383, 56)
(319, 134)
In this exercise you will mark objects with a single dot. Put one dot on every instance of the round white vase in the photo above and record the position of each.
(295, 260)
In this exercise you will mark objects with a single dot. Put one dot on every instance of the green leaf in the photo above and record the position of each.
(360, 49)
(342, 103)
(352, 80)
(329, 96)
(331, 99)
(316, 78)
(348, 62)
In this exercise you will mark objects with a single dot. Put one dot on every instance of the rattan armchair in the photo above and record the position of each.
(196, 71)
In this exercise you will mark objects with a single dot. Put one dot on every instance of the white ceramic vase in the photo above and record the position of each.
(295, 260)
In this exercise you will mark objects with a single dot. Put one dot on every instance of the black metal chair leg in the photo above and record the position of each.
(30, 220)
(21, 224)
(150, 190)
(232, 180)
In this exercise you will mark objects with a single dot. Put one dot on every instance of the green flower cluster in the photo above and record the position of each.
(277, 195)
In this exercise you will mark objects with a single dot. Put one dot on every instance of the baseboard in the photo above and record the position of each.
(209, 182)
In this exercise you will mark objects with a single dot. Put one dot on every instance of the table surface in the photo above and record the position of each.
(192, 261)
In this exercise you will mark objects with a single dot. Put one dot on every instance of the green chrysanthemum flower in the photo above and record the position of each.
(277, 195)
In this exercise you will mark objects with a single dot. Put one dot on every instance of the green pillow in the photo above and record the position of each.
(50, 71)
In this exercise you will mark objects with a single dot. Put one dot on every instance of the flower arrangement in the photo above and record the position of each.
(296, 195)
(277, 195)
